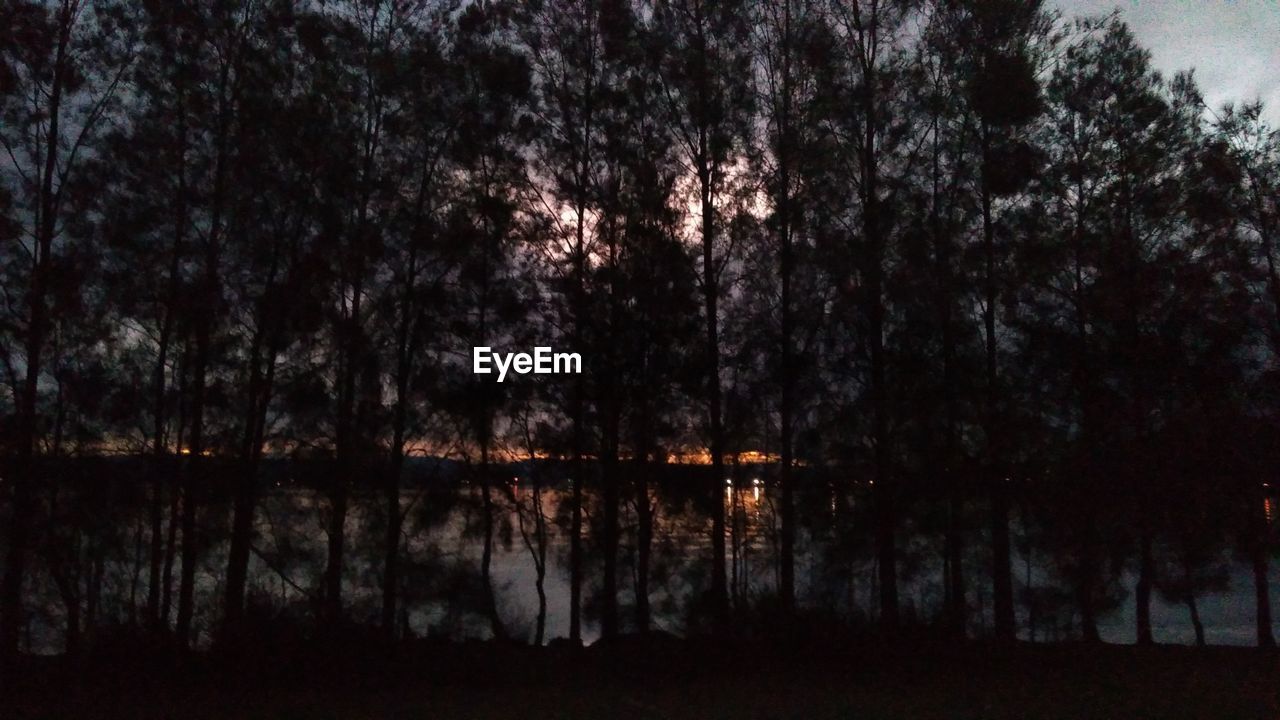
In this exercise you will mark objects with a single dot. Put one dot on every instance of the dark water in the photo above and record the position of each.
(95, 550)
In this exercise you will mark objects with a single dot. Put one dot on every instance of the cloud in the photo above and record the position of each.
(1233, 45)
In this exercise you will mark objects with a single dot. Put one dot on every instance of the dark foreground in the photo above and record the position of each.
(664, 678)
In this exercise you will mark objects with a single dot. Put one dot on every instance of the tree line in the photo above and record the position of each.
(963, 250)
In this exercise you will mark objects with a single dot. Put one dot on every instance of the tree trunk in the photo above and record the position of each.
(644, 543)
(578, 411)
(540, 582)
(170, 548)
(1001, 567)
(159, 447)
(258, 398)
(786, 368)
(175, 492)
(339, 490)
(391, 543)
(1261, 589)
(336, 549)
(719, 591)
(609, 589)
(575, 528)
(953, 541)
(1142, 593)
(486, 557)
(1084, 593)
(192, 481)
(611, 410)
(1088, 618)
(11, 610)
(1193, 609)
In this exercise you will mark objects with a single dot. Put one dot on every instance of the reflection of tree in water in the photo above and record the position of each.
(89, 586)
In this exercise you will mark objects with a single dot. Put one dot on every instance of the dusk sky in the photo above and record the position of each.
(1234, 45)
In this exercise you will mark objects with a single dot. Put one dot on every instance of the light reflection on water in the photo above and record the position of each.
(443, 545)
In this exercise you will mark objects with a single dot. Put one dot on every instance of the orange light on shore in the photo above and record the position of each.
(703, 457)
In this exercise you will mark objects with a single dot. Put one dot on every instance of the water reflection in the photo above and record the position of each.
(92, 575)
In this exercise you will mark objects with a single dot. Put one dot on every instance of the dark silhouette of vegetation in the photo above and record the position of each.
(940, 318)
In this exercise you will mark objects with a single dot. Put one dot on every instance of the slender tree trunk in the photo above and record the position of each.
(192, 483)
(609, 468)
(208, 299)
(1085, 593)
(1031, 595)
(886, 512)
(171, 544)
(399, 423)
(1193, 609)
(611, 410)
(193, 473)
(69, 589)
(578, 412)
(1088, 617)
(242, 513)
(135, 576)
(953, 551)
(336, 547)
(265, 342)
(575, 526)
(1001, 568)
(1258, 559)
(11, 609)
(349, 432)
(339, 490)
(159, 448)
(486, 557)
(1142, 593)
(786, 261)
(484, 437)
(391, 543)
(93, 594)
(406, 334)
(155, 516)
(1083, 381)
(537, 545)
(175, 491)
(1196, 624)
(719, 590)
(1262, 594)
(644, 543)
(540, 560)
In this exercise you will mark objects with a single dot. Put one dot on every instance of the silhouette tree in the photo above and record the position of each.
(413, 300)
(484, 227)
(792, 54)
(997, 71)
(702, 59)
(567, 46)
(872, 126)
(63, 72)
